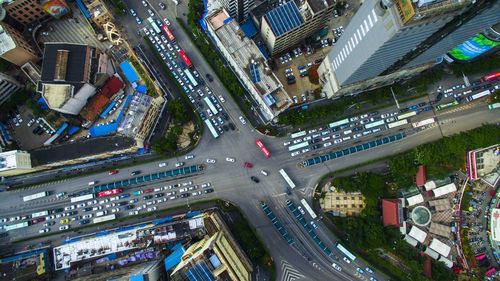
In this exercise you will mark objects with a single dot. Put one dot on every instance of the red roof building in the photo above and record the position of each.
(101, 99)
(420, 178)
(392, 212)
(112, 86)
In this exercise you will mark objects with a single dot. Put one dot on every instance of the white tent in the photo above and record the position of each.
(445, 189)
(429, 185)
(440, 247)
(411, 241)
(446, 261)
(418, 234)
(431, 253)
(414, 200)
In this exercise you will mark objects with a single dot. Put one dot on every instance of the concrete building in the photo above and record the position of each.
(343, 203)
(14, 48)
(14, 162)
(238, 9)
(26, 11)
(8, 86)
(287, 25)
(248, 63)
(388, 40)
(98, 12)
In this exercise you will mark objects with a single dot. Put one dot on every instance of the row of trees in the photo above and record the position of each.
(478, 66)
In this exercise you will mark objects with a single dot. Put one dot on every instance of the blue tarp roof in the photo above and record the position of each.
(202, 19)
(82, 7)
(284, 18)
(104, 130)
(73, 130)
(129, 71)
(107, 110)
(62, 128)
(42, 103)
(249, 28)
(175, 258)
(137, 278)
(141, 89)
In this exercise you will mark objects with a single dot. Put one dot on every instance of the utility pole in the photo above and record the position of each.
(394, 96)
(466, 80)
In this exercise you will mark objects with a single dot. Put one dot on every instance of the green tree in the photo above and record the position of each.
(313, 74)
(178, 111)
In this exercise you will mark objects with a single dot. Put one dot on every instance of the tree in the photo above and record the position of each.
(313, 74)
(178, 110)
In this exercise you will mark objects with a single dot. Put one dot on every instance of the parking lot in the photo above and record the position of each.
(29, 132)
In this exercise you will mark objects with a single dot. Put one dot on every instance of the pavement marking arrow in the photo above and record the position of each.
(290, 273)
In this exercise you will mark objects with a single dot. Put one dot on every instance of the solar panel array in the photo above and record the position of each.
(284, 18)
(254, 72)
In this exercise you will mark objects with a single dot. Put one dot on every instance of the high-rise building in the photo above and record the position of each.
(25, 11)
(287, 25)
(8, 86)
(238, 9)
(388, 40)
(99, 12)
(13, 46)
(14, 162)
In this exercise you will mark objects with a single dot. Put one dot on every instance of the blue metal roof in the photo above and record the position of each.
(129, 71)
(254, 72)
(249, 28)
(284, 18)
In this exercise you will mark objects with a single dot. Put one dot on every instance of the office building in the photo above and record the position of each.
(26, 11)
(14, 162)
(388, 40)
(248, 63)
(287, 25)
(238, 9)
(8, 86)
(13, 46)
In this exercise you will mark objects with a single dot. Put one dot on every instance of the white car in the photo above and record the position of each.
(196, 193)
(187, 183)
(305, 150)
(150, 209)
(264, 172)
(64, 227)
(347, 260)
(206, 185)
(211, 161)
(295, 153)
(221, 98)
(337, 141)
(327, 144)
(131, 213)
(166, 21)
(44, 230)
(242, 120)
(97, 208)
(336, 267)
(179, 164)
(229, 159)
(287, 143)
(104, 201)
(88, 216)
(72, 207)
(189, 157)
(301, 210)
(183, 190)
(115, 210)
(163, 164)
(80, 205)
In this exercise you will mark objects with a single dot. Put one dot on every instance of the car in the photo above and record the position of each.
(314, 225)
(162, 5)
(131, 213)
(295, 153)
(38, 220)
(97, 208)
(264, 172)
(205, 185)
(80, 205)
(87, 216)
(44, 230)
(64, 221)
(135, 173)
(83, 222)
(49, 223)
(70, 207)
(373, 279)
(369, 270)
(229, 159)
(196, 193)
(301, 210)
(346, 260)
(361, 271)
(210, 161)
(357, 136)
(144, 3)
(133, 13)
(247, 164)
(179, 164)
(184, 195)
(242, 120)
(138, 20)
(158, 195)
(64, 227)
(221, 98)
(188, 157)
(334, 265)
(150, 209)
(115, 210)
(147, 197)
(113, 172)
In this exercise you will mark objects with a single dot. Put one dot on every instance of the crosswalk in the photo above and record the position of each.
(289, 272)
(31, 187)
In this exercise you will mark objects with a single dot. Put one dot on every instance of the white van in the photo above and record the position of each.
(92, 183)
(347, 132)
(346, 138)
(101, 213)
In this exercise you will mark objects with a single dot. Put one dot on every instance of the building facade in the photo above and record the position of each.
(390, 40)
(14, 48)
(8, 86)
(238, 9)
(26, 11)
(287, 25)
(14, 162)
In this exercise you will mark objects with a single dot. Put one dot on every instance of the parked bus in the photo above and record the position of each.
(105, 218)
(298, 146)
(480, 257)
(287, 179)
(478, 95)
(39, 214)
(154, 25)
(82, 198)
(210, 105)
(345, 251)
(35, 196)
(375, 124)
(169, 33)
(17, 225)
(446, 105)
(211, 128)
(185, 58)
(424, 122)
(491, 76)
(308, 208)
(494, 105)
(191, 77)
(298, 134)
(339, 123)
(406, 115)
(110, 192)
(263, 148)
(397, 123)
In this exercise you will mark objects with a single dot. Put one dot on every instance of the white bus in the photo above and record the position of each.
(298, 134)
(345, 252)
(16, 226)
(287, 179)
(211, 128)
(424, 122)
(190, 77)
(210, 105)
(406, 115)
(82, 198)
(308, 208)
(35, 196)
(39, 214)
(154, 25)
(105, 218)
(339, 123)
(397, 123)
(478, 95)
(298, 146)
(375, 124)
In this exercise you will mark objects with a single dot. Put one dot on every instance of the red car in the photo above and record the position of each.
(248, 165)
(114, 172)
(149, 190)
(38, 220)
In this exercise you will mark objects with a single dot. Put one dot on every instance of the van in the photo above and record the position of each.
(346, 138)
(92, 183)
(347, 132)
(190, 87)
(101, 213)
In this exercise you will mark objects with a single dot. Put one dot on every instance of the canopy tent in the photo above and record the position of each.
(418, 234)
(445, 189)
(440, 247)
(414, 200)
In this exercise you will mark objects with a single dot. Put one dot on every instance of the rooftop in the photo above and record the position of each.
(77, 55)
(422, 9)
(391, 212)
(420, 178)
(284, 18)
(6, 41)
(8, 160)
